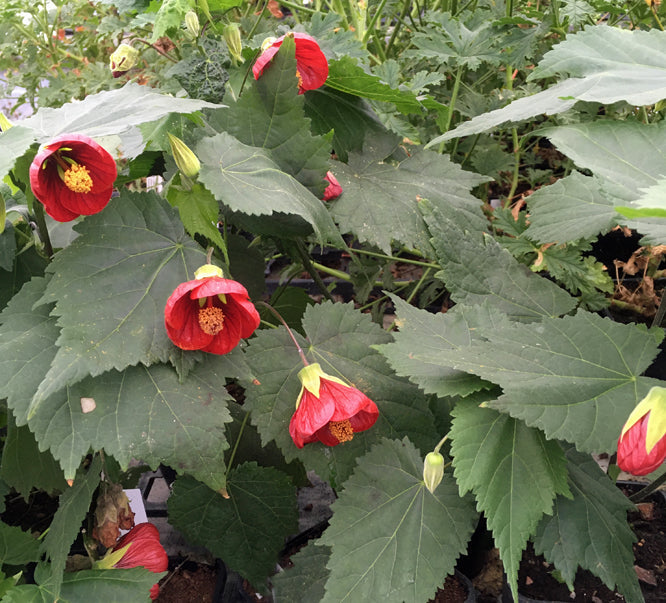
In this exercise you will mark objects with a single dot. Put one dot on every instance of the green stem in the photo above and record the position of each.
(661, 311)
(236, 443)
(396, 29)
(452, 103)
(656, 17)
(516, 165)
(332, 271)
(374, 254)
(42, 230)
(645, 492)
(289, 331)
(296, 7)
(424, 275)
(312, 271)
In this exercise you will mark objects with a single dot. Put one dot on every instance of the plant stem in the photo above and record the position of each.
(238, 438)
(42, 230)
(396, 29)
(312, 271)
(649, 489)
(289, 331)
(661, 311)
(452, 103)
(516, 165)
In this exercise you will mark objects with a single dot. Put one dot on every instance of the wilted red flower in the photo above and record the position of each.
(72, 176)
(328, 410)
(642, 445)
(333, 190)
(144, 550)
(210, 313)
(311, 63)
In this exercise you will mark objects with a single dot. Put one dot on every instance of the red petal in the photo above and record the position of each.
(311, 415)
(145, 549)
(632, 455)
(348, 402)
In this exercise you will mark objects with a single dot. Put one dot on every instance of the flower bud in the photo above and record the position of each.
(123, 59)
(192, 23)
(5, 124)
(185, 159)
(232, 37)
(433, 470)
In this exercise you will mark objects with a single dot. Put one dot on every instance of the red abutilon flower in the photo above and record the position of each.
(328, 410)
(642, 445)
(143, 549)
(210, 313)
(72, 176)
(311, 63)
(333, 190)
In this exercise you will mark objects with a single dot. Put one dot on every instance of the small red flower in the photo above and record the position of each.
(328, 410)
(311, 63)
(144, 550)
(642, 445)
(72, 176)
(333, 190)
(210, 313)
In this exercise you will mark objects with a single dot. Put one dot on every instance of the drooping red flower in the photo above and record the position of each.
(72, 176)
(642, 445)
(328, 410)
(333, 190)
(144, 550)
(210, 313)
(311, 63)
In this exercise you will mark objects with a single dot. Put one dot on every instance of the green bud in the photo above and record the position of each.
(192, 23)
(185, 159)
(5, 124)
(123, 58)
(433, 470)
(232, 36)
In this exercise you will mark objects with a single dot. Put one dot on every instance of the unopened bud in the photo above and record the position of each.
(232, 36)
(123, 59)
(433, 470)
(185, 159)
(5, 124)
(192, 23)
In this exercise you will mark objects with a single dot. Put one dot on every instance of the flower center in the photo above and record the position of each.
(341, 430)
(211, 320)
(300, 79)
(78, 179)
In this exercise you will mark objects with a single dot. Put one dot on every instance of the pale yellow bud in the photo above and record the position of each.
(123, 58)
(192, 23)
(433, 470)
(185, 159)
(232, 36)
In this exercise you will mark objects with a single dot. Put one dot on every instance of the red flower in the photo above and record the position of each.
(311, 63)
(210, 313)
(642, 445)
(144, 550)
(328, 410)
(72, 176)
(333, 190)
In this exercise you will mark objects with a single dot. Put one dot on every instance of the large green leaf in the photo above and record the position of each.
(110, 586)
(305, 582)
(110, 287)
(605, 65)
(146, 413)
(571, 209)
(16, 546)
(340, 338)
(476, 269)
(247, 180)
(576, 377)
(73, 505)
(390, 538)
(270, 115)
(514, 473)
(381, 198)
(590, 530)
(24, 466)
(27, 346)
(13, 143)
(414, 353)
(247, 529)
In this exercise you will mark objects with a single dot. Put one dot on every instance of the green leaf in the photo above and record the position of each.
(391, 539)
(202, 75)
(247, 180)
(577, 12)
(170, 17)
(350, 118)
(414, 353)
(111, 113)
(73, 506)
(563, 374)
(605, 65)
(270, 115)
(381, 198)
(590, 530)
(345, 75)
(247, 529)
(110, 586)
(146, 413)
(13, 144)
(476, 269)
(514, 473)
(110, 286)
(341, 339)
(571, 209)
(27, 346)
(305, 582)
(16, 546)
(24, 466)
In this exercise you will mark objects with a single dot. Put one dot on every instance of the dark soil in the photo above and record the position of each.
(188, 583)
(454, 590)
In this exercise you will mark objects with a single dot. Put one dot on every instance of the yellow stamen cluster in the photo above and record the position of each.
(78, 179)
(211, 320)
(300, 78)
(341, 430)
